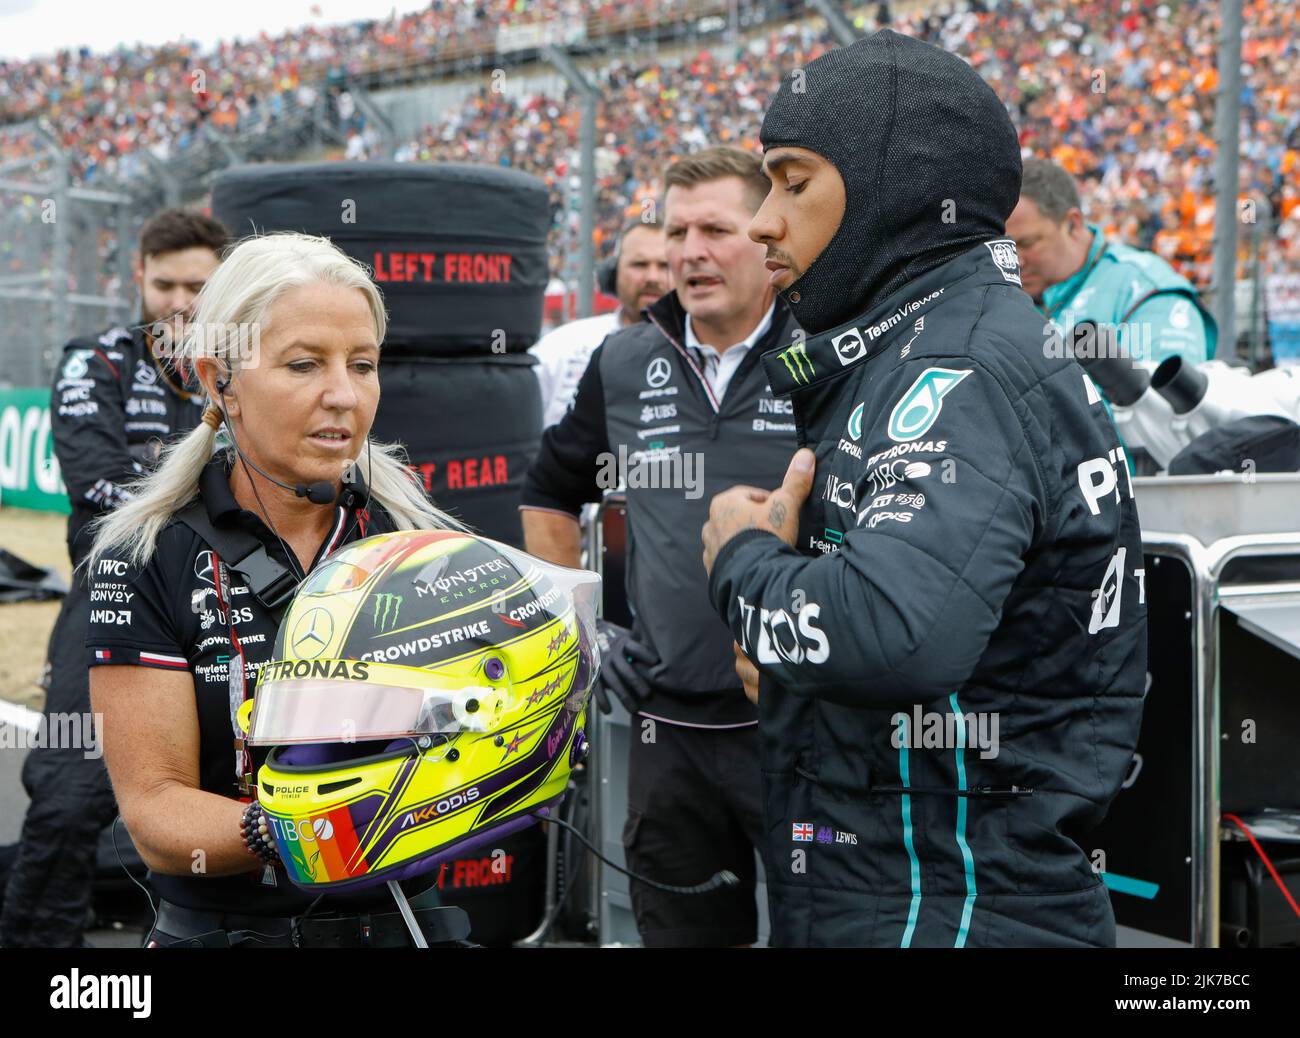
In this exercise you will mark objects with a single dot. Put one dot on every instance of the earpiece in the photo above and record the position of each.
(607, 275)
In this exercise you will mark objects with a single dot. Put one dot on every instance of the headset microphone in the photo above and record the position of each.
(321, 493)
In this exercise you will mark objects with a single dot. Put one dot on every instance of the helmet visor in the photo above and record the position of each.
(309, 709)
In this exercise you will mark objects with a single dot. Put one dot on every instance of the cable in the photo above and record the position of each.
(154, 909)
(568, 886)
(724, 878)
(293, 560)
(145, 890)
(1264, 857)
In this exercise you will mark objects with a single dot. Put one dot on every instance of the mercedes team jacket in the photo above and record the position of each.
(645, 417)
(952, 659)
(112, 409)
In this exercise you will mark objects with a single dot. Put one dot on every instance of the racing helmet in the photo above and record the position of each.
(427, 693)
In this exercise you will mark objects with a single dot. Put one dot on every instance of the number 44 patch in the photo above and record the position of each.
(913, 415)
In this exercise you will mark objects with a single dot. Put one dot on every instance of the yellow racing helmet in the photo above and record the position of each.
(427, 693)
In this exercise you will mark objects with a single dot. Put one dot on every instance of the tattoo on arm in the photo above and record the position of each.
(776, 514)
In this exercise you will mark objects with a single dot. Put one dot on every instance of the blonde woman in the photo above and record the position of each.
(285, 340)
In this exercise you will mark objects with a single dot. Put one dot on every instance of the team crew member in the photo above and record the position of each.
(945, 616)
(637, 275)
(660, 399)
(298, 412)
(118, 396)
(1075, 275)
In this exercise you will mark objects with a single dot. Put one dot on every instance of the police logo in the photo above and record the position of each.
(312, 633)
(1004, 255)
(849, 346)
(658, 373)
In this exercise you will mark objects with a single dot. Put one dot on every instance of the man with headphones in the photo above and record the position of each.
(637, 275)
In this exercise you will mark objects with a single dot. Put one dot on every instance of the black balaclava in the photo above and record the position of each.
(929, 158)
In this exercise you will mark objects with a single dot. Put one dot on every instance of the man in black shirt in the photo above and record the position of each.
(117, 398)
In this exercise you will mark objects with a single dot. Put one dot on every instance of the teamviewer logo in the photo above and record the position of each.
(849, 346)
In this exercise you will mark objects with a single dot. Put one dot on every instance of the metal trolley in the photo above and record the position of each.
(1223, 593)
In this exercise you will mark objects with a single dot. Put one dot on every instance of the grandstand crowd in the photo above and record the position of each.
(1120, 92)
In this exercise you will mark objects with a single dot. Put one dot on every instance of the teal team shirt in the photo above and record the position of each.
(1155, 309)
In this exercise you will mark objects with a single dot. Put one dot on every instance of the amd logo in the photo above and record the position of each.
(110, 616)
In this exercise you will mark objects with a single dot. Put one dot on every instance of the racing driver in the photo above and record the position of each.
(941, 611)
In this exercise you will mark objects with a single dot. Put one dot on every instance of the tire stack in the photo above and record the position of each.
(459, 252)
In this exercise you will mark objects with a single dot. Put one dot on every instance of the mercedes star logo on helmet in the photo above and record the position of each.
(312, 634)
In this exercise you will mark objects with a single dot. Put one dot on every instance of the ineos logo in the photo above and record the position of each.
(658, 373)
(839, 492)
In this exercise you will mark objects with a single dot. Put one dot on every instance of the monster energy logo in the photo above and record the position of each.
(796, 358)
(386, 609)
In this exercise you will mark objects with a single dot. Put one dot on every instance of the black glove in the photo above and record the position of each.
(624, 661)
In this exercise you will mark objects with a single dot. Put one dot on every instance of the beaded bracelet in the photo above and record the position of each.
(256, 834)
